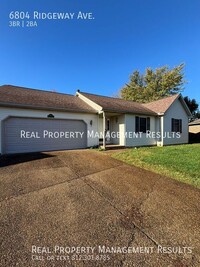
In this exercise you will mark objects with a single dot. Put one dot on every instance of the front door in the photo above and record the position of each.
(121, 137)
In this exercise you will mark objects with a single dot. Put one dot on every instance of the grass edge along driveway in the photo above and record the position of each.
(180, 162)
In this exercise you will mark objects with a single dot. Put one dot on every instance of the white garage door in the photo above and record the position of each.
(22, 135)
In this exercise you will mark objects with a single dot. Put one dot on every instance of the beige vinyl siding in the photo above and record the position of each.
(194, 128)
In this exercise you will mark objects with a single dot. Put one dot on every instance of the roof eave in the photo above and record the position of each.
(193, 123)
(129, 112)
(185, 106)
(45, 108)
(180, 97)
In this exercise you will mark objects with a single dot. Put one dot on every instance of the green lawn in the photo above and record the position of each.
(181, 162)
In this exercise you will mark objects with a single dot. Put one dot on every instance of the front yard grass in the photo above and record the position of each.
(181, 162)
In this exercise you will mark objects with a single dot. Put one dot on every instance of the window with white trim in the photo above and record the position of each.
(176, 125)
(142, 124)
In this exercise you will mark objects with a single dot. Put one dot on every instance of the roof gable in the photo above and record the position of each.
(162, 105)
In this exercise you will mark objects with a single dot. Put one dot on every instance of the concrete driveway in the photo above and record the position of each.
(83, 208)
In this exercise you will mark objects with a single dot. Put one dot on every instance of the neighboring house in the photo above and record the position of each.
(194, 126)
(35, 120)
(194, 131)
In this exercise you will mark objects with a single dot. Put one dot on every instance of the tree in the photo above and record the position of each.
(197, 114)
(153, 85)
(192, 105)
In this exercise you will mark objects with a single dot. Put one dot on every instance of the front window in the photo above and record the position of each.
(142, 124)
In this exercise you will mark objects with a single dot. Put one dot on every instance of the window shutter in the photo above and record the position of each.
(148, 123)
(137, 127)
(180, 126)
(172, 126)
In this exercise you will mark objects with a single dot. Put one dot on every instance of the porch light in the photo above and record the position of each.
(91, 122)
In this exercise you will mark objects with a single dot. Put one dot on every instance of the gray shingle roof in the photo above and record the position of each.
(161, 105)
(118, 105)
(195, 122)
(33, 98)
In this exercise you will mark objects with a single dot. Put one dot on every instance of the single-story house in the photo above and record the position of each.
(35, 120)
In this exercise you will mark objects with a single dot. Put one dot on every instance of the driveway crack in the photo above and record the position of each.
(124, 215)
(53, 185)
(151, 191)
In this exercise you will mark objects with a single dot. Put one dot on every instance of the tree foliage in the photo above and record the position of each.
(197, 115)
(192, 104)
(153, 85)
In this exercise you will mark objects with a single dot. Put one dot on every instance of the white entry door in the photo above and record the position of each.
(121, 131)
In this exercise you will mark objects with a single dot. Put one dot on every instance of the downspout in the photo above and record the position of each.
(162, 130)
(104, 130)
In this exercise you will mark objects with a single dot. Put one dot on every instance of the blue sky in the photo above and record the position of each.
(99, 55)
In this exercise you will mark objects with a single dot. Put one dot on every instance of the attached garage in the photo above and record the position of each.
(22, 135)
(33, 120)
